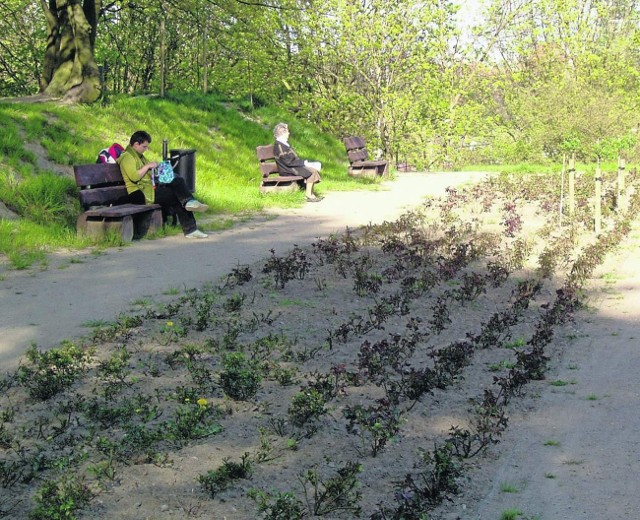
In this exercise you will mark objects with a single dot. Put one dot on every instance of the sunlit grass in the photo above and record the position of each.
(25, 242)
(224, 137)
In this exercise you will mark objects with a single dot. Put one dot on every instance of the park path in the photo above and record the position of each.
(50, 305)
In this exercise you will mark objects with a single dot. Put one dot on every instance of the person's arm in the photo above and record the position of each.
(287, 156)
(129, 168)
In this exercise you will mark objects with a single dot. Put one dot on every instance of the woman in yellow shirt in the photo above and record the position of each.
(137, 173)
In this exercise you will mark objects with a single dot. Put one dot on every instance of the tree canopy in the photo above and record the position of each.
(532, 80)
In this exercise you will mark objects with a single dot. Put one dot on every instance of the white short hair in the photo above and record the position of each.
(280, 129)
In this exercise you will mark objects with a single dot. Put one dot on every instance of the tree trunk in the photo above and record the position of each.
(70, 70)
(205, 61)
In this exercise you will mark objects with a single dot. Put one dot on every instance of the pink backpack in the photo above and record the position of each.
(109, 155)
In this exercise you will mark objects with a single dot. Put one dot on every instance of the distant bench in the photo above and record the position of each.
(359, 163)
(102, 191)
(271, 178)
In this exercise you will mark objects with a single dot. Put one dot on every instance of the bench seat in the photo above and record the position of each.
(359, 163)
(271, 179)
(101, 193)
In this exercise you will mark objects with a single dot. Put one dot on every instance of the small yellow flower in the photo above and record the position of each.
(202, 402)
(169, 324)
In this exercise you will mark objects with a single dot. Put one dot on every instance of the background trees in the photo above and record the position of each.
(568, 76)
(533, 80)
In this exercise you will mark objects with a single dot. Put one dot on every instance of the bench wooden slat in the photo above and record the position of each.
(353, 143)
(369, 163)
(278, 179)
(121, 210)
(359, 163)
(268, 169)
(96, 174)
(101, 184)
(357, 155)
(101, 196)
(271, 178)
(265, 152)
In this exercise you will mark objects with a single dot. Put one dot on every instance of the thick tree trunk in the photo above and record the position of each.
(70, 70)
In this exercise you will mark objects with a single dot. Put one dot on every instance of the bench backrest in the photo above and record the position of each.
(267, 160)
(100, 184)
(356, 149)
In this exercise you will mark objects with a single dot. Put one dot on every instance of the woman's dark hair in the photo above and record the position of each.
(140, 137)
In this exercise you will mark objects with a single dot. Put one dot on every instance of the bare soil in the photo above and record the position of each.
(569, 452)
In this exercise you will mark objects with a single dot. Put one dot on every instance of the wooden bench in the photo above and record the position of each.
(102, 191)
(359, 163)
(271, 178)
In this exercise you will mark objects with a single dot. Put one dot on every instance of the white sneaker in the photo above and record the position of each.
(195, 205)
(196, 234)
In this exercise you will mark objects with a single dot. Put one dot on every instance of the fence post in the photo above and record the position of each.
(621, 182)
(564, 168)
(572, 185)
(598, 199)
(163, 58)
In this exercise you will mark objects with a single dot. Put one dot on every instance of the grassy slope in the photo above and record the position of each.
(227, 175)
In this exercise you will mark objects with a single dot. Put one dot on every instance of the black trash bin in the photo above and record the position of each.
(184, 165)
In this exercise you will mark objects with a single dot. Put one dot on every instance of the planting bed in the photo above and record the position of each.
(366, 377)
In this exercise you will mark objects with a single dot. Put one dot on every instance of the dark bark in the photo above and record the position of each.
(70, 70)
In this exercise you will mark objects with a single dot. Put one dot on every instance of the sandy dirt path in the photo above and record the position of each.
(47, 306)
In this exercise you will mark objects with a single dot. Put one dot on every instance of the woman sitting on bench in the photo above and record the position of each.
(137, 171)
(290, 164)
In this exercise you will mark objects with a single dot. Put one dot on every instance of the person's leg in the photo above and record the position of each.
(310, 182)
(308, 188)
(137, 197)
(179, 187)
(167, 197)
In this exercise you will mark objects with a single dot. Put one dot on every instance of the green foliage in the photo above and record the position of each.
(573, 95)
(510, 514)
(335, 495)
(60, 499)
(241, 378)
(386, 89)
(424, 93)
(234, 303)
(306, 406)
(225, 138)
(193, 421)
(279, 506)
(50, 372)
(220, 479)
(45, 199)
(376, 425)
